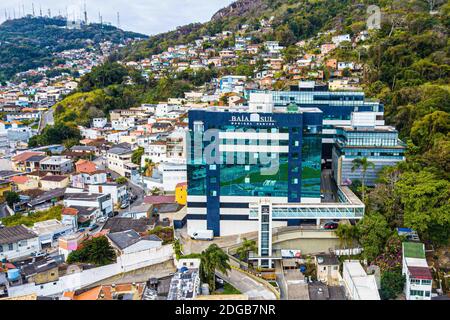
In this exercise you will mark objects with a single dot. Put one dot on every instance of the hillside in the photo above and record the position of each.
(29, 43)
(292, 20)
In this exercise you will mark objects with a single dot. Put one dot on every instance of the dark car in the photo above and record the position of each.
(331, 225)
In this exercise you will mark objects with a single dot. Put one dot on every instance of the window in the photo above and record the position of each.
(212, 167)
(10, 246)
(426, 282)
(416, 293)
(1, 248)
(427, 293)
(415, 281)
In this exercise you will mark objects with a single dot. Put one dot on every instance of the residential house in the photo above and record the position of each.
(18, 242)
(51, 182)
(96, 205)
(327, 267)
(19, 161)
(24, 183)
(57, 165)
(119, 160)
(127, 242)
(50, 230)
(415, 268)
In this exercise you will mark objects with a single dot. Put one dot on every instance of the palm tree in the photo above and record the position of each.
(212, 259)
(149, 166)
(363, 164)
(245, 248)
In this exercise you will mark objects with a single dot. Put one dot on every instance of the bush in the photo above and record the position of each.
(392, 283)
(97, 251)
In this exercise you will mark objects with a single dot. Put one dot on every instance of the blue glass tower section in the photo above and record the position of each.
(293, 139)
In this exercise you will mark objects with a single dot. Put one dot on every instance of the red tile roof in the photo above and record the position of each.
(420, 273)
(19, 179)
(70, 211)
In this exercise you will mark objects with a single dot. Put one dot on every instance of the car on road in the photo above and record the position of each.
(39, 254)
(124, 205)
(102, 219)
(331, 225)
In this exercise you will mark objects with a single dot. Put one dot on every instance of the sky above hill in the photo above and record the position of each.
(144, 16)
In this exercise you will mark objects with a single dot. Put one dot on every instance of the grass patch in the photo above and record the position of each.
(228, 289)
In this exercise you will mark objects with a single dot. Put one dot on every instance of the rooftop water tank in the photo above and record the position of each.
(13, 274)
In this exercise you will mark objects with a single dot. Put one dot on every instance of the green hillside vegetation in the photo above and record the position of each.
(30, 219)
(28, 43)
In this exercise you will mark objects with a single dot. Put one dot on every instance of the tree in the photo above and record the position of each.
(347, 234)
(363, 164)
(426, 203)
(373, 231)
(212, 259)
(11, 198)
(392, 283)
(246, 247)
(121, 180)
(177, 248)
(97, 251)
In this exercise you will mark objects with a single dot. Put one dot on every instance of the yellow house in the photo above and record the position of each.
(181, 193)
(4, 187)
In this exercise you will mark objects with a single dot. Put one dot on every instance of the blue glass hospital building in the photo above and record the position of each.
(258, 167)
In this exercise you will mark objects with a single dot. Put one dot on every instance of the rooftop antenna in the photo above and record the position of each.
(49, 13)
(85, 14)
(118, 20)
(40, 10)
(23, 10)
(14, 13)
(32, 6)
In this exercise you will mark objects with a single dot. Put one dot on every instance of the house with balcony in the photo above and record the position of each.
(119, 160)
(57, 165)
(415, 268)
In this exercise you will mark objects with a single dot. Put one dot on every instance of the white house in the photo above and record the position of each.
(118, 192)
(18, 242)
(99, 122)
(358, 285)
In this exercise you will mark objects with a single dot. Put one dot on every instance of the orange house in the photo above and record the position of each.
(85, 166)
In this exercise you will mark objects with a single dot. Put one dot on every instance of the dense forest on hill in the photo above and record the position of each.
(28, 43)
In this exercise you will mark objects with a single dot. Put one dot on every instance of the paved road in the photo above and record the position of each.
(3, 211)
(328, 187)
(246, 285)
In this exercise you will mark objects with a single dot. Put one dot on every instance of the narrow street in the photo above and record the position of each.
(246, 285)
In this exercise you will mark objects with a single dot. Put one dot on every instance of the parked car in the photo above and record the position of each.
(331, 225)
(124, 205)
(93, 227)
(102, 219)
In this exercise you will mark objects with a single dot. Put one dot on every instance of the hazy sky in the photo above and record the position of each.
(145, 16)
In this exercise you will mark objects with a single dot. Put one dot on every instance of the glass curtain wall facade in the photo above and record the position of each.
(255, 155)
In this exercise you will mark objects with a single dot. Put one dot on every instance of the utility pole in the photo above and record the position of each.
(40, 11)
(32, 6)
(49, 13)
(118, 20)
